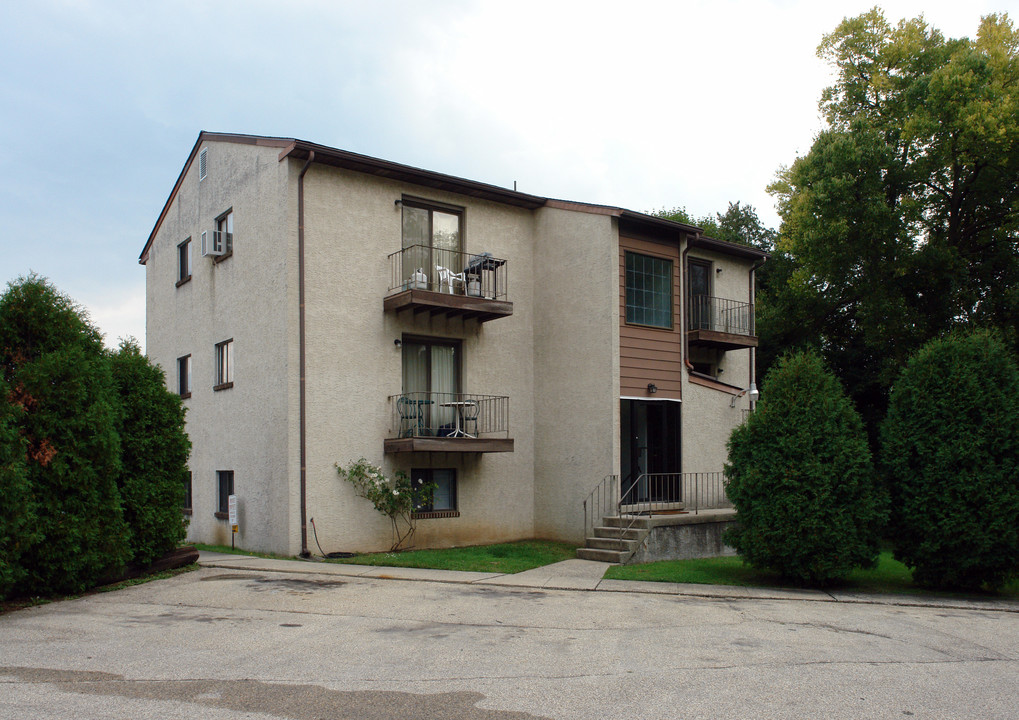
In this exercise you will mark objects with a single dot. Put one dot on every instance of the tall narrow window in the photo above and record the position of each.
(432, 238)
(183, 262)
(184, 376)
(698, 281)
(224, 236)
(224, 365)
(203, 163)
(187, 493)
(648, 290)
(431, 380)
(224, 489)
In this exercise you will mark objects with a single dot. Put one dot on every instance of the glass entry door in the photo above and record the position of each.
(650, 445)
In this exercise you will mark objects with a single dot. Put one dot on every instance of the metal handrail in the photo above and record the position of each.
(423, 267)
(601, 498)
(435, 414)
(721, 315)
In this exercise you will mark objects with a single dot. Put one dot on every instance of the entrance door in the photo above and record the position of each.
(650, 445)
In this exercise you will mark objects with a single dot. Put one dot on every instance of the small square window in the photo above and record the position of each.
(187, 493)
(184, 376)
(224, 489)
(444, 495)
(224, 365)
(183, 262)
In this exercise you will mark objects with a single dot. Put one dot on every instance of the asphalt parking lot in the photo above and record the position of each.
(251, 641)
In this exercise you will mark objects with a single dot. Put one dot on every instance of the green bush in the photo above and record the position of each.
(154, 455)
(950, 446)
(802, 480)
(54, 363)
(17, 526)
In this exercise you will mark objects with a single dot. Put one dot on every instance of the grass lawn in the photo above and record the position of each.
(890, 576)
(503, 558)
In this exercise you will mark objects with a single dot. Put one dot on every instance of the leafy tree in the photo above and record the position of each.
(801, 478)
(951, 449)
(54, 364)
(397, 498)
(154, 454)
(17, 522)
(902, 220)
(738, 224)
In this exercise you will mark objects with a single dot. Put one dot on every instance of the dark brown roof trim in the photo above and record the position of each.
(729, 248)
(405, 173)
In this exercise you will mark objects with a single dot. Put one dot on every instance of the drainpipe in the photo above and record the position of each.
(684, 305)
(753, 305)
(300, 350)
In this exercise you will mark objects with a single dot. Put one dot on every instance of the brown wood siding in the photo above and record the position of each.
(650, 355)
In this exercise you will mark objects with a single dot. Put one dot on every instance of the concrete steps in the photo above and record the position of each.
(611, 543)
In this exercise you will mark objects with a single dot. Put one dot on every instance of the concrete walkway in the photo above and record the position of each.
(587, 575)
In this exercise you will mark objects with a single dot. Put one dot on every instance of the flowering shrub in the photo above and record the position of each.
(397, 498)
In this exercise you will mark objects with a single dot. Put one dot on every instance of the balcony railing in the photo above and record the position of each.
(422, 267)
(721, 315)
(449, 415)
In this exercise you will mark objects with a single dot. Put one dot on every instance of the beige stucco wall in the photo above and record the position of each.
(352, 225)
(576, 365)
(707, 417)
(243, 428)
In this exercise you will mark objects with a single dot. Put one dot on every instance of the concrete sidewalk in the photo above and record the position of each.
(587, 575)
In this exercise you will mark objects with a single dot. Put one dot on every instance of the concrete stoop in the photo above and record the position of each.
(668, 536)
(616, 539)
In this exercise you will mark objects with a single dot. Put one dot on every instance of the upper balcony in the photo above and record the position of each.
(426, 279)
(449, 422)
(720, 323)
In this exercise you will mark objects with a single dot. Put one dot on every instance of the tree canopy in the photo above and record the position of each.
(901, 223)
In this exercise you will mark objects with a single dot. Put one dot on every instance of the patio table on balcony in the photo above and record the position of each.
(459, 406)
(480, 263)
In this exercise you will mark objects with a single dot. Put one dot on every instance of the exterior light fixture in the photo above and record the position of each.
(652, 388)
(398, 202)
(750, 392)
(398, 342)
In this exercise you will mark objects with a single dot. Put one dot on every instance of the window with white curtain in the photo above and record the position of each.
(431, 373)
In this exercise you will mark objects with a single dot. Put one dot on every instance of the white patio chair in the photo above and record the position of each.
(447, 277)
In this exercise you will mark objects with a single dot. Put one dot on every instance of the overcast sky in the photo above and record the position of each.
(637, 104)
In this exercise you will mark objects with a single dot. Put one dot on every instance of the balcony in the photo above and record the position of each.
(424, 279)
(449, 422)
(720, 323)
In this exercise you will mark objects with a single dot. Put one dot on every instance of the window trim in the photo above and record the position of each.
(222, 501)
(672, 291)
(184, 277)
(224, 374)
(184, 379)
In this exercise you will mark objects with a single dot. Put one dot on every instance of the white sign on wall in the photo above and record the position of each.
(231, 505)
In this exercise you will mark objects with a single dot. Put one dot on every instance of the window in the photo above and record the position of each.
(648, 290)
(184, 376)
(698, 276)
(224, 365)
(443, 500)
(183, 262)
(187, 493)
(431, 376)
(432, 237)
(224, 489)
(225, 234)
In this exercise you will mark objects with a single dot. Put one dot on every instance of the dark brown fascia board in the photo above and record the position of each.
(300, 150)
(204, 136)
(728, 248)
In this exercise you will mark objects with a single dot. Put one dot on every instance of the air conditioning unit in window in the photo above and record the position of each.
(221, 242)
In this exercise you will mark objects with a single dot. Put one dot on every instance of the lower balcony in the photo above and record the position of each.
(449, 422)
(721, 323)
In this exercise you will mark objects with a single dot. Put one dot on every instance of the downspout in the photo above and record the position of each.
(684, 305)
(301, 353)
(753, 306)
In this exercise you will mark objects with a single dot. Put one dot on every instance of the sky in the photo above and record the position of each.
(639, 104)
